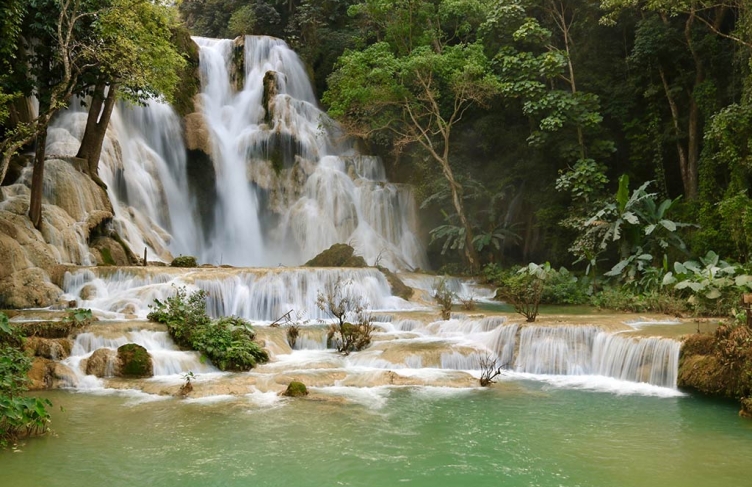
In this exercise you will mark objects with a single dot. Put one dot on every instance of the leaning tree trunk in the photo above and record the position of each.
(37, 181)
(96, 127)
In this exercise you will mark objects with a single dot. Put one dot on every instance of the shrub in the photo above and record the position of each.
(524, 289)
(343, 305)
(20, 416)
(227, 342)
(444, 296)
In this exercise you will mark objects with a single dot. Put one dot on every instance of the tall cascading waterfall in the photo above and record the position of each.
(143, 164)
(288, 183)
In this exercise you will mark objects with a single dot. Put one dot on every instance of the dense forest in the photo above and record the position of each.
(610, 137)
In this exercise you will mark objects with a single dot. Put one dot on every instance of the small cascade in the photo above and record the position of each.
(262, 295)
(167, 359)
(587, 350)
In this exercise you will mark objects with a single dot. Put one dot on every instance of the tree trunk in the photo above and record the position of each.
(470, 253)
(96, 127)
(37, 181)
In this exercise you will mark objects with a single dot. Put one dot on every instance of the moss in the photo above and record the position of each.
(106, 256)
(296, 389)
(338, 255)
(184, 261)
(189, 84)
(46, 329)
(135, 361)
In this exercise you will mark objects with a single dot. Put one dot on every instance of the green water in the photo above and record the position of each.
(518, 434)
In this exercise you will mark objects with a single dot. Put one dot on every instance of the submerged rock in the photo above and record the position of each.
(134, 361)
(396, 285)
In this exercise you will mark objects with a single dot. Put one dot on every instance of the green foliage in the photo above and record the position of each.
(227, 342)
(524, 289)
(712, 284)
(20, 415)
(242, 21)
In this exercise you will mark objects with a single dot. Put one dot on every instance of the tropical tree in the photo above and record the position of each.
(417, 84)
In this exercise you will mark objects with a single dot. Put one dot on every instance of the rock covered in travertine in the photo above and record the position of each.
(73, 205)
(197, 135)
(102, 363)
(50, 348)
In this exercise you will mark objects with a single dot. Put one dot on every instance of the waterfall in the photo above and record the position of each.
(289, 184)
(263, 294)
(587, 350)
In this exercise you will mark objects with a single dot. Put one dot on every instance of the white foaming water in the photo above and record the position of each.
(587, 350)
(143, 164)
(263, 295)
(289, 184)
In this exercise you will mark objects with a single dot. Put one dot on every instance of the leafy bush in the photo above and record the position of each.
(524, 289)
(444, 297)
(626, 299)
(563, 287)
(20, 416)
(227, 342)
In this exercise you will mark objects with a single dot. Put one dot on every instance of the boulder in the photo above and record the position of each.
(102, 363)
(134, 361)
(28, 288)
(296, 389)
(184, 261)
(398, 288)
(338, 255)
(109, 251)
(40, 374)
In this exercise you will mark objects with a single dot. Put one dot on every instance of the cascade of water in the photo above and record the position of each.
(587, 350)
(143, 164)
(289, 184)
(262, 295)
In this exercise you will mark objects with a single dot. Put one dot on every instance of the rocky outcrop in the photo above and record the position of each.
(49, 348)
(197, 134)
(270, 93)
(109, 251)
(74, 207)
(398, 288)
(48, 374)
(719, 365)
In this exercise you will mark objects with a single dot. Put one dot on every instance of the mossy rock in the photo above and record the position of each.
(296, 389)
(396, 285)
(184, 261)
(338, 255)
(134, 361)
(46, 329)
(698, 345)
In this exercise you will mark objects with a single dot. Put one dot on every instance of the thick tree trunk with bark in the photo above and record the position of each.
(100, 112)
(37, 181)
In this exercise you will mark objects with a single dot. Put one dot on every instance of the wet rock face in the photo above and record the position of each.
(49, 348)
(134, 361)
(102, 363)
